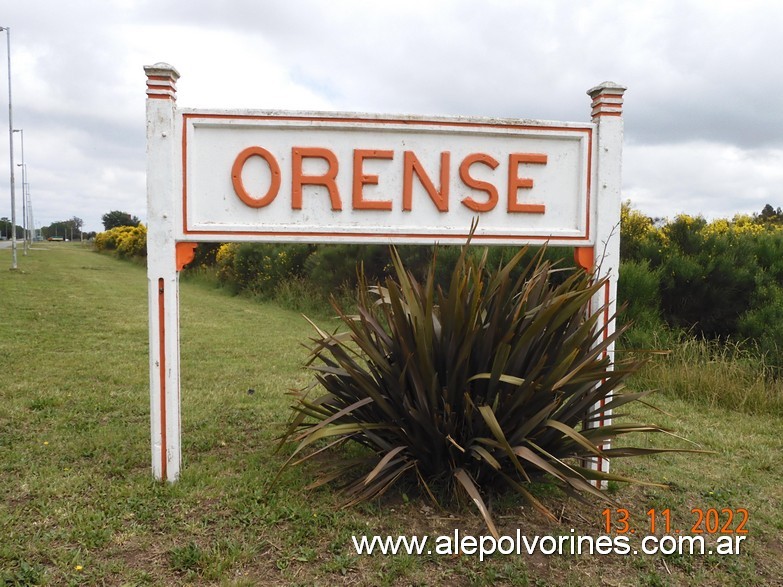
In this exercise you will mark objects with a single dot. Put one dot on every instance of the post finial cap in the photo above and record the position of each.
(162, 69)
(606, 88)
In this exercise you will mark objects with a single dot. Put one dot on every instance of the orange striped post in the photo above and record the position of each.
(162, 270)
(604, 255)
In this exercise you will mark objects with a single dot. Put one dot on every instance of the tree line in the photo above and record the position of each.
(70, 229)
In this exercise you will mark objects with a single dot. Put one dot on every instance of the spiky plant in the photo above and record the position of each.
(488, 382)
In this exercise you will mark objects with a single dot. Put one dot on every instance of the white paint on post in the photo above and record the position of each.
(607, 101)
(234, 176)
(163, 188)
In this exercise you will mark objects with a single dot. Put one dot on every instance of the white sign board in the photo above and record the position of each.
(353, 177)
(225, 176)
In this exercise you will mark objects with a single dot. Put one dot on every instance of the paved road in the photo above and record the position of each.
(7, 244)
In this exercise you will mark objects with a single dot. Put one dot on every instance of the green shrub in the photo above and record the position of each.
(724, 374)
(479, 385)
(710, 289)
(331, 267)
(763, 324)
(260, 267)
(684, 233)
(638, 293)
(205, 256)
(768, 253)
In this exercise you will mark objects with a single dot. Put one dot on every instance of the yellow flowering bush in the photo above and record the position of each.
(744, 224)
(634, 224)
(721, 278)
(635, 230)
(717, 227)
(127, 241)
(133, 243)
(226, 253)
(740, 226)
(224, 262)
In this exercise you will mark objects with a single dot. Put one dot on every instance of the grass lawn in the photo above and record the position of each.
(78, 504)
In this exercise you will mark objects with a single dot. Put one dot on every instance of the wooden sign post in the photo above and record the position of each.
(247, 175)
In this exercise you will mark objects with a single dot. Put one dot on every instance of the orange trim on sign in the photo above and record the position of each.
(162, 365)
(184, 151)
(185, 254)
(589, 185)
(584, 257)
(606, 313)
(602, 421)
(586, 130)
(389, 235)
(605, 334)
(379, 121)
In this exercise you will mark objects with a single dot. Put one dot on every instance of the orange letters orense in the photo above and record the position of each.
(515, 182)
(360, 179)
(411, 165)
(327, 180)
(477, 184)
(236, 177)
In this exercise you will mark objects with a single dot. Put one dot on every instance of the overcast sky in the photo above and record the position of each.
(703, 111)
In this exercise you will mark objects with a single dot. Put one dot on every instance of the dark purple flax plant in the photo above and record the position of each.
(484, 384)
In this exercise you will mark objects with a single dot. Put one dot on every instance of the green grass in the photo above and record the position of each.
(724, 374)
(78, 504)
(296, 293)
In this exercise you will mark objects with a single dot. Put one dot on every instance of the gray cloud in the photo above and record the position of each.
(701, 79)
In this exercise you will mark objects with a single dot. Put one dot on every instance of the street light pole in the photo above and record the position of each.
(11, 151)
(30, 219)
(25, 221)
(29, 201)
(24, 194)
